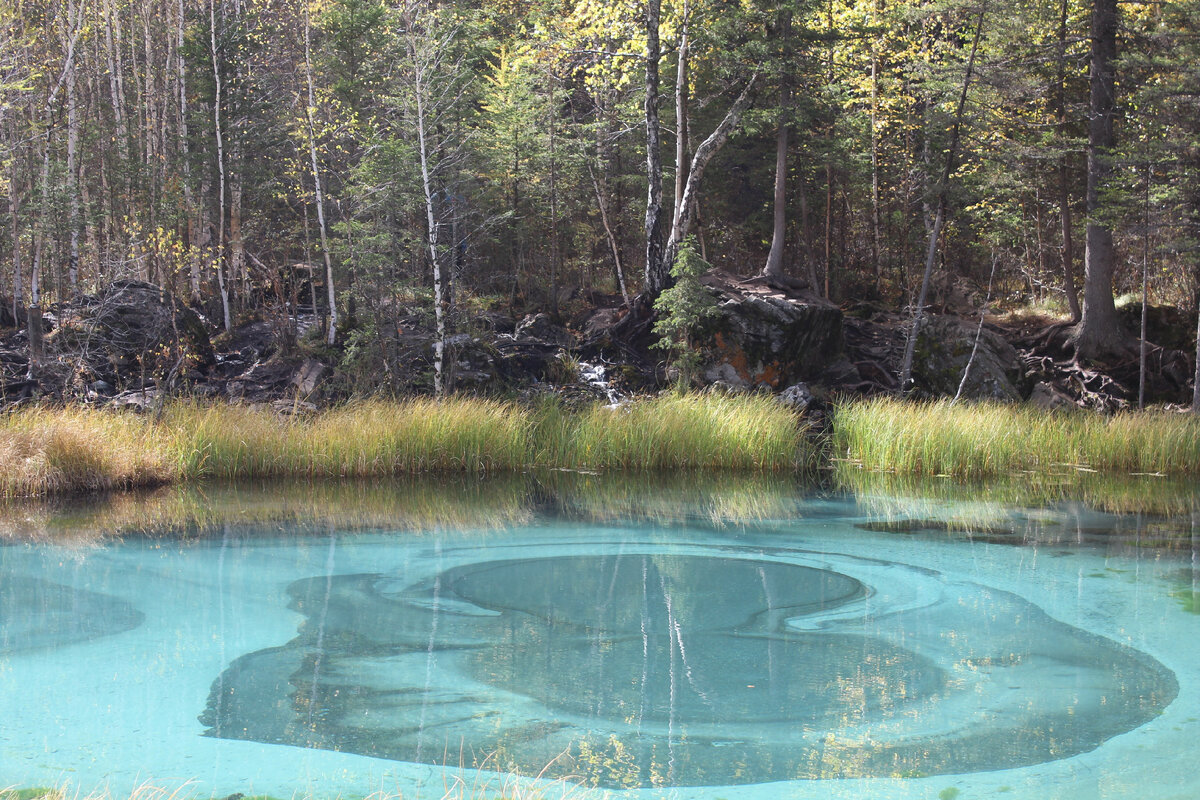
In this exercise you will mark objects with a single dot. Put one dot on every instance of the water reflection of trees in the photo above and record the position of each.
(1044, 508)
(1115, 512)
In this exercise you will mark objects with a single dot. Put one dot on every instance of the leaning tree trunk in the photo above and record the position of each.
(1099, 331)
(704, 153)
(940, 216)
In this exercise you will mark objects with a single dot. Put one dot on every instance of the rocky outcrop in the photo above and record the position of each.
(769, 335)
(943, 349)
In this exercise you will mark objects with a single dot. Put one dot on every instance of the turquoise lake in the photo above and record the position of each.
(571, 636)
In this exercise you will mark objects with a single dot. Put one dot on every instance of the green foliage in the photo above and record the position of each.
(683, 308)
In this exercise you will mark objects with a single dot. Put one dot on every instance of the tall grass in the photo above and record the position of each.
(369, 438)
(49, 451)
(676, 431)
(990, 439)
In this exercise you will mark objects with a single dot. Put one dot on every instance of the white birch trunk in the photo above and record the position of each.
(331, 335)
(439, 345)
(220, 142)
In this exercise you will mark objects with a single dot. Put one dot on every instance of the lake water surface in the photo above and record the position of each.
(690, 637)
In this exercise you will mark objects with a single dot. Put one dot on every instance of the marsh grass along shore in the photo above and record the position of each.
(47, 451)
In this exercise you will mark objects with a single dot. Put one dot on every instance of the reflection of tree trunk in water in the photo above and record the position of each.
(319, 650)
(773, 642)
(221, 625)
(431, 649)
(645, 642)
(673, 683)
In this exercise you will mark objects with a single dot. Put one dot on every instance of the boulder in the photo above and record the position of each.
(769, 336)
(308, 375)
(796, 396)
(943, 349)
(1050, 397)
(543, 329)
(135, 327)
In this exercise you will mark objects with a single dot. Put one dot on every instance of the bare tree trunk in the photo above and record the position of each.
(1064, 171)
(554, 249)
(33, 314)
(1196, 377)
(310, 109)
(74, 15)
(810, 257)
(613, 244)
(238, 281)
(876, 249)
(704, 153)
(1099, 331)
(419, 89)
(962, 384)
(940, 217)
(1145, 292)
(681, 117)
(14, 214)
(184, 157)
(216, 67)
(657, 275)
(774, 265)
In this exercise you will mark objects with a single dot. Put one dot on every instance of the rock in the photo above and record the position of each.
(768, 336)
(725, 374)
(1048, 396)
(842, 372)
(796, 396)
(293, 407)
(943, 349)
(100, 387)
(309, 374)
(136, 329)
(136, 400)
(1166, 326)
(542, 328)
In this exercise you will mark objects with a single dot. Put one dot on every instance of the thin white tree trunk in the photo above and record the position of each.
(73, 12)
(216, 67)
(419, 87)
(681, 118)
(310, 110)
(613, 245)
(704, 153)
(940, 217)
(657, 269)
(184, 156)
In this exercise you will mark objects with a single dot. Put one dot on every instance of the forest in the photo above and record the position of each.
(336, 167)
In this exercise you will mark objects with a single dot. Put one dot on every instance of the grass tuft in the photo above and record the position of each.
(989, 439)
(676, 431)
